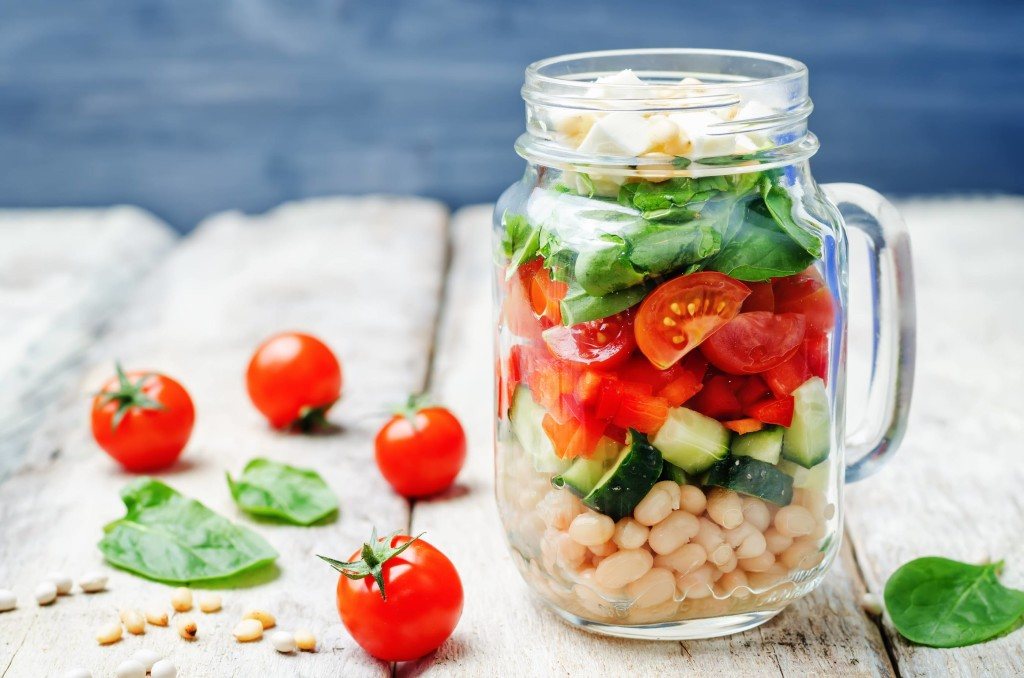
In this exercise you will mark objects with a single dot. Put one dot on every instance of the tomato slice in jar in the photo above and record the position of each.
(517, 306)
(762, 297)
(755, 342)
(816, 346)
(805, 293)
(683, 312)
(599, 344)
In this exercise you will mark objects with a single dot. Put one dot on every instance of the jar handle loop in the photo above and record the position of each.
(893, 338)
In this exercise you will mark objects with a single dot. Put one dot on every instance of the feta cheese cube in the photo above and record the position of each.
(621, 134)
(695, 135)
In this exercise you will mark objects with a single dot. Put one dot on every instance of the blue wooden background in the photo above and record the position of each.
(191, 106)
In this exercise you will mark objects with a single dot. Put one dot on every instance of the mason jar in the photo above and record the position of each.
(671, 295)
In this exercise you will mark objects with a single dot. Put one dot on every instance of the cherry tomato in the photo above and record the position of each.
(294, 379)
(755, 342)
(546, 295)
(421, 449)
(762, 297)
(401, 600)
(805, 293)
(142, 419)
(681, 313)
(601, 344)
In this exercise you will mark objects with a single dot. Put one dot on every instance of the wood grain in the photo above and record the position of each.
(63, 274)
(823, 634)
(341, 269)
(954, 488)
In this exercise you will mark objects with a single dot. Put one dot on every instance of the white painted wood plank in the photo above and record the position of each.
(954, 489)
(63, 272)
(503, 629)
(365, 275)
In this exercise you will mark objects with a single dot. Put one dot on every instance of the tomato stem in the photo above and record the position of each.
(411, 407)
(128, 395)
(373, 555)
(312, 419)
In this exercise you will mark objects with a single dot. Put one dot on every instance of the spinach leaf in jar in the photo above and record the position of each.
(274, 490)
(944, 603)
(758, 250)
(168, 537)
(780, 206)
(578, 306)
(519, 240)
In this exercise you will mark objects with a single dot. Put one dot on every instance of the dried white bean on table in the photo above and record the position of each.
(283, 641)
(8, 601)
(93, 582)
(46, 593)
(163, 669)
(62, 582)
(146, 657)
(130, 669)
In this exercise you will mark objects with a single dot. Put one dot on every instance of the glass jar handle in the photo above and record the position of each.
(893, 344)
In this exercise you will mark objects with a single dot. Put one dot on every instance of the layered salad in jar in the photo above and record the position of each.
(664, 418)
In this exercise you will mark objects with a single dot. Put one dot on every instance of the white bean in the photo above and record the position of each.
(830, 512)
(146, 657)
(725, 507)
(776, 541)
(709, 535)
(62, 582)
(623, 567)
(630, 534)
(591, 529)
(673, 490)
(653, 508)
(756, 513)
(130, 669)
(133, 621)
(209, 602)
(721, 554)
(734, 584)
(697, 584)
(305, 640)
(569, 554)
(603, 550)
(8, 601)
(683, 560)
(759, 563)
(163, 669)
(794, 521)
(692, 499)
(93, 582)
(736, 535)
(801, 555)
(283, 642)
(76, 672)
(753, 546)
(871, 604)
(672, 532)
(558, 508)
(731, 564)
(45, 593)
(654, 588)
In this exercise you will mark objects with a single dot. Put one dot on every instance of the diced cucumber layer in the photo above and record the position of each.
(752, 477)
(808, 439)
(526, 418)
(691, 441)
(628, 481)
(815, 478)
(765, 444)
(582, 476)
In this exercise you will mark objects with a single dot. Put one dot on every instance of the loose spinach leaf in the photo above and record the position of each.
(780, 205)
(579, 307)
(519, 240)
(294, 495)
(758, 250)
(944, 603)
(170, 538)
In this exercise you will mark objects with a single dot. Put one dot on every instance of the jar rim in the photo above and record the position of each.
(538, 80)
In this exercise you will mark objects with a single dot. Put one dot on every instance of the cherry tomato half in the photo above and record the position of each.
(805, 293)
(601, 344)
(143, 420)
(415, 607)
(755, 342)
(681, 313)
(420, 450)
(294, 379)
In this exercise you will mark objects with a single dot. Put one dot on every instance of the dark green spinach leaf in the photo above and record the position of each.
(294, 495)
(170, 538)
(579, 307)
(944, 603)
(758, 250)
(780, 205)
(519, 240)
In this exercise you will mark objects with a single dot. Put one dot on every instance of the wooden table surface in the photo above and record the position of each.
(399, 287)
